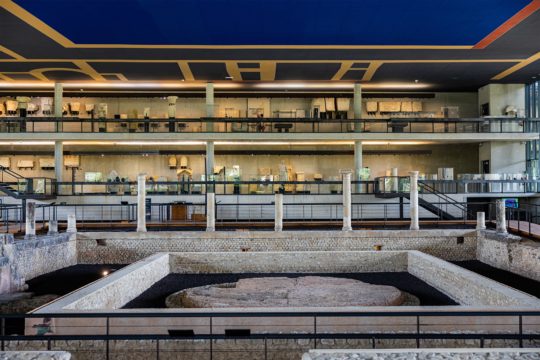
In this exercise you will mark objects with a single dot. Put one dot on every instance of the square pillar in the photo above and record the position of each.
(30, 224)
(501, 217)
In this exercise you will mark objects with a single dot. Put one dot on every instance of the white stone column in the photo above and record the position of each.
(347, 199)
(58, 102)
(59, 161)
(210, 212)
(209, 160)
(480, 220)
(141, 203)
(71, 223)
(210, 105)
(53, 227)
(501, 217)
(413, 199)
(395, 180)
(30, 225)
(278, 212)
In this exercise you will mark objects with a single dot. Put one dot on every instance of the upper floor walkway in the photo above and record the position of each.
(292, 129)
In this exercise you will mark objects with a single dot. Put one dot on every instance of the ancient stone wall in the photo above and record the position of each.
(35, 355)
(510, 253)
(291, 261)
(237, 349)
(464, 286)
(120, 287)
(424, 354)
(23, 260)
(124, 248)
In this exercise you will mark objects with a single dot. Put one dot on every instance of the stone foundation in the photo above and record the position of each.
(23, 260)
(35, 355)
(510, 253)
(125, 248)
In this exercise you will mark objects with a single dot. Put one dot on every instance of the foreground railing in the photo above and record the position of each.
(268, 125)
(204, 332)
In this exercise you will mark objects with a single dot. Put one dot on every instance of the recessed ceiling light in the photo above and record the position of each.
(416, 81)
(229, 77)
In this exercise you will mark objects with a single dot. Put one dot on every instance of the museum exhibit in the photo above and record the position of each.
(269, 180)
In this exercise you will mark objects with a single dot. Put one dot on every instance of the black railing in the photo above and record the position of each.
(378, 186)
(268, 125)
(420, 327)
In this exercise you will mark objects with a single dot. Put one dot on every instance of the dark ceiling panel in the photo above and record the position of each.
(452, 76)
(141, 71)
(323, 71)
(354, 75)
(209, 71)
(528, 74)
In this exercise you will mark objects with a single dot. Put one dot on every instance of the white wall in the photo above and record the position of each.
(505, 157)
(499, 96)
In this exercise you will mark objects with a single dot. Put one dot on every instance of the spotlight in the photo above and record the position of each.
(104, 273)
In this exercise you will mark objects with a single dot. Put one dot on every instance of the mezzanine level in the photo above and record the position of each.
(239, 129)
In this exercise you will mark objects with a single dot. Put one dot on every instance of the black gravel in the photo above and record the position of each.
(66, 280)
(154, 297)
(521, 283)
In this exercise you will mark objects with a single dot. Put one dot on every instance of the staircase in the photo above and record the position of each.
(18, 187)
(397, 192)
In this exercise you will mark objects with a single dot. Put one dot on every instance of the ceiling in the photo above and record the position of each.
(445, 45)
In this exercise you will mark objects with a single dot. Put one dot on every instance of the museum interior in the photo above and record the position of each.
(310, 180)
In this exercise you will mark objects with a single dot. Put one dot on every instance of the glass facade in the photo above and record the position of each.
(532, 110)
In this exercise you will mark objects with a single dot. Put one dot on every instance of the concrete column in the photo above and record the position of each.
(395, 180)
(209, 160)
(210, 212)
(53, 227)
(58, 102)
(59, 161)
(357, 105)
(413, 198)
(71, 223)
(210, 105)
(278, 215)
(501, 217)
(480, 220)
(30, 226)
(358, 164)
(141, 203)
(347, 211)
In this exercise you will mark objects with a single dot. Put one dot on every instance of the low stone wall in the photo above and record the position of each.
(510, 253)
(118, 288)
(25, 259)
(464, 286)
(275, 349)
(125, 248)
(35, 355)
(292, 261)
(424, 354)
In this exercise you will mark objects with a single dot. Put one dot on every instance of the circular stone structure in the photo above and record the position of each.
(308, 291)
